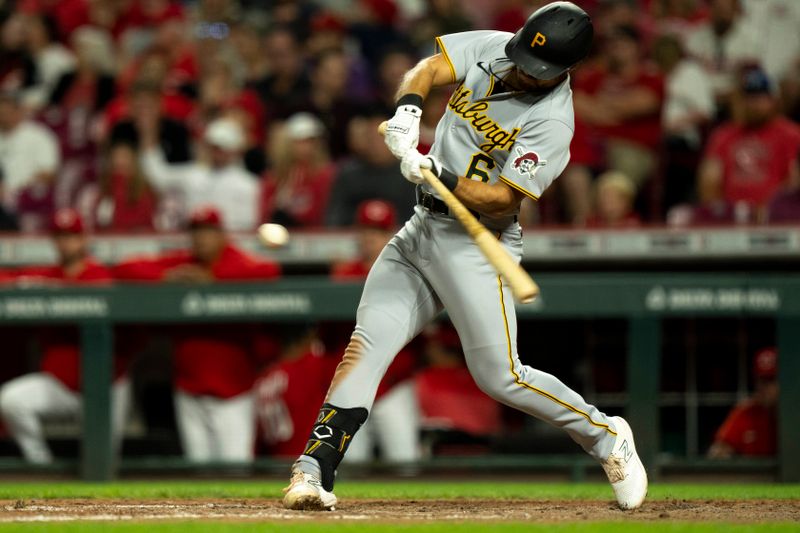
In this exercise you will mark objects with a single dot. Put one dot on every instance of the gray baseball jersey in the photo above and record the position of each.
(522, 141)
(433, 264)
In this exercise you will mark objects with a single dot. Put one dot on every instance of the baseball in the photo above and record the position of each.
(273, 235)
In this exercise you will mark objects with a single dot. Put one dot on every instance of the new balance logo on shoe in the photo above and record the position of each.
(625, 452)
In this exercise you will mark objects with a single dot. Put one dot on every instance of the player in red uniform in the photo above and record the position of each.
(54, 391)
(214, 365)
(288, 393)
(751, 427)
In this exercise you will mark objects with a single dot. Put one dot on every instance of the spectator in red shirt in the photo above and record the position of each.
(122, 201)
(617, 119)
(214, 366)
(54, 391)
(295, 192)
(748, 161)
(751, 427)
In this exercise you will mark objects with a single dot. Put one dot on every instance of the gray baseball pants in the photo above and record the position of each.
(432, 264)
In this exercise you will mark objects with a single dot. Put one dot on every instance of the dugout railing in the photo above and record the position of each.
(643, 300)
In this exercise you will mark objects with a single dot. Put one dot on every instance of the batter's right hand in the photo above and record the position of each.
(402, 130)
(412, 164)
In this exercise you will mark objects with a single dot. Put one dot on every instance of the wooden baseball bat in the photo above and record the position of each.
(522, 285)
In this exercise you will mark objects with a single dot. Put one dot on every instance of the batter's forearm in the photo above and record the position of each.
(430, 72)
(491, 200)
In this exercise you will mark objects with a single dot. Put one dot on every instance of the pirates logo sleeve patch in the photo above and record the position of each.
(527, 162)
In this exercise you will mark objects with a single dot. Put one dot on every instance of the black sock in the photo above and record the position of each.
(330, 438)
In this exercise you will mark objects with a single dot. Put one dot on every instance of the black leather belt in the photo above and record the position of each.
(435, 205)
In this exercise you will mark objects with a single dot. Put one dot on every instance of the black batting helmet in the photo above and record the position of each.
(553, 40)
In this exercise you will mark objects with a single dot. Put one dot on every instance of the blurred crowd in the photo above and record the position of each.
(135, 112)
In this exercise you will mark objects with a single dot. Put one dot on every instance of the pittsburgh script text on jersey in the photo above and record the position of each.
(495, 136)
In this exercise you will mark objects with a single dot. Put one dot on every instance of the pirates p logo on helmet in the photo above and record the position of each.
(538, 40)
(560, 36)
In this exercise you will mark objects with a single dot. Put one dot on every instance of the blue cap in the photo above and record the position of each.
(756, 81)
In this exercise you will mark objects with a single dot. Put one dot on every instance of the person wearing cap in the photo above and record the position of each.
(750, 429)
(29, 153)
(295, 191)
(55, 390)
(749, 160)
(219, 180)
(214, 364)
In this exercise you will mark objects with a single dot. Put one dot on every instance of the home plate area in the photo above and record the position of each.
(67, 510)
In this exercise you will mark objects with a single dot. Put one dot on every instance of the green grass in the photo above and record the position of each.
(387, 490)
(360, 527)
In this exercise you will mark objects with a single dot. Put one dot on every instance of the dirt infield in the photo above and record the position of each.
(65, 510)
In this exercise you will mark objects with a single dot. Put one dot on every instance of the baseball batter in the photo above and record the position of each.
(505, 135)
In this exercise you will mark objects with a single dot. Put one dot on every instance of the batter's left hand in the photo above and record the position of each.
(402, 130)
(413, 162)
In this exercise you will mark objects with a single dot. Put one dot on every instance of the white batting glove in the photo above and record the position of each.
(412, 164)
(402, 130)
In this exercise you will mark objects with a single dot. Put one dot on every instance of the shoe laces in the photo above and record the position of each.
(297, 477)
(615, 468)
